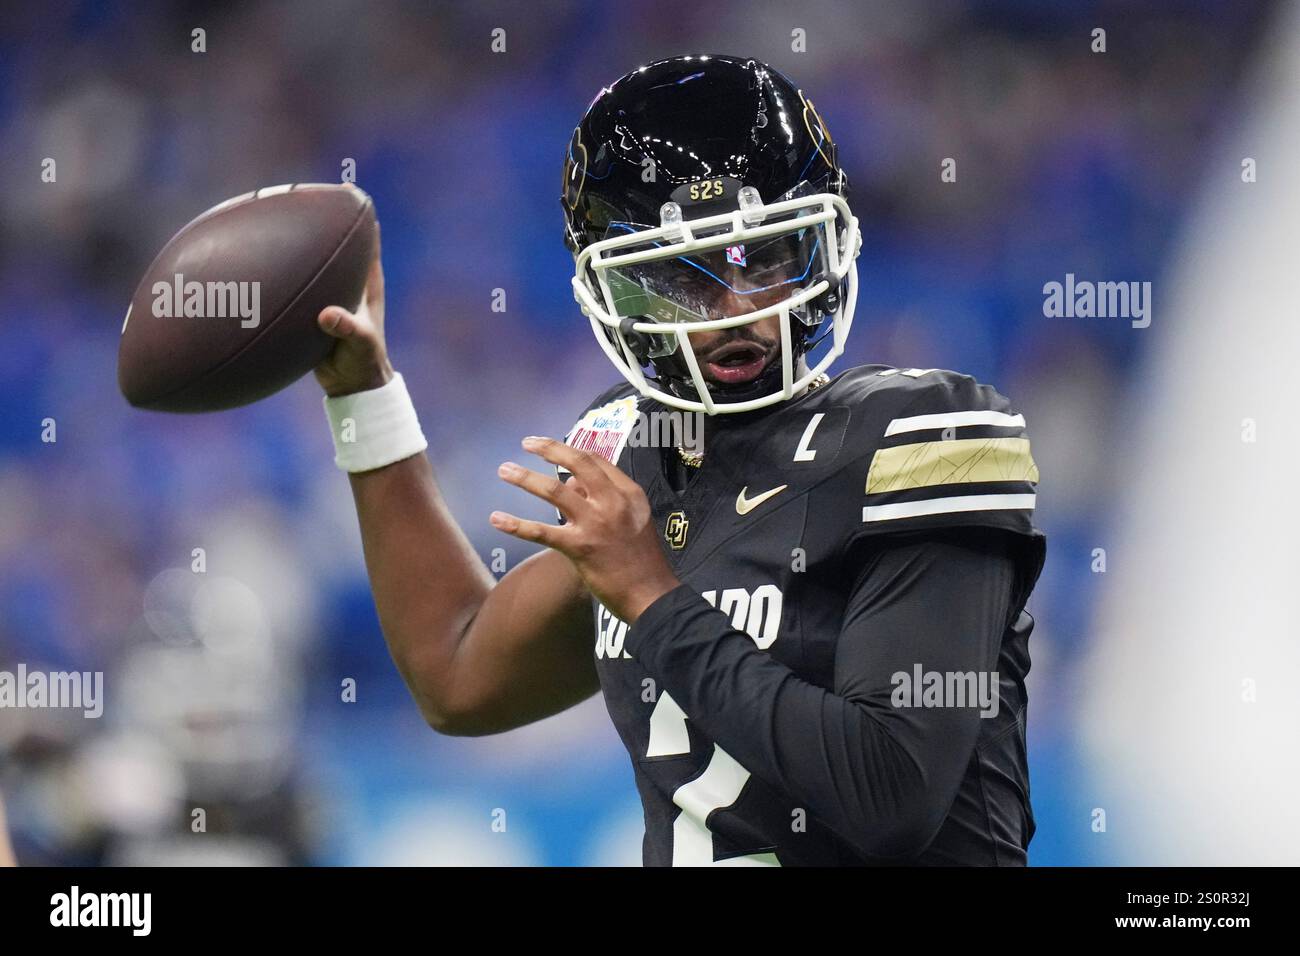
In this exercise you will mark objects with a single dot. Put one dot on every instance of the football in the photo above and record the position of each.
(226, 313)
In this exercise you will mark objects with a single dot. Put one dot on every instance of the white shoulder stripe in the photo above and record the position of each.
(939, 506)
(953, 420)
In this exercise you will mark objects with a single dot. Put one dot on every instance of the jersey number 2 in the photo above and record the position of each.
(723, 779)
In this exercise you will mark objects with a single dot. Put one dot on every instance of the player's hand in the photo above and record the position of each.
(608, 535)
(359, 361)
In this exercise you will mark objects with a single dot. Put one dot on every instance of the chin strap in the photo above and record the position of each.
(826, 330)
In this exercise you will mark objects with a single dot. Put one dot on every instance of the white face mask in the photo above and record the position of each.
(702, 275)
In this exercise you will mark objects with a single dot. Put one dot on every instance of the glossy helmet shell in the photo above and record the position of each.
(669, 124)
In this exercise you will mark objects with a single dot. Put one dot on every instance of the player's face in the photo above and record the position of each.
(736, 281)
(724, 283)
(739, 355)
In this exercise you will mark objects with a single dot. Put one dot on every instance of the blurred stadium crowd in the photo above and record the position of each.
(224, 687)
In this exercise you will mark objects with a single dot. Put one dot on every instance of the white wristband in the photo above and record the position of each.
(374, 428)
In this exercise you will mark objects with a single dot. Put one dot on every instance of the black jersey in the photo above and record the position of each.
(843, 555)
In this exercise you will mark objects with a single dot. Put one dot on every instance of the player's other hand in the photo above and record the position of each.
(359, 361)
(608, 534)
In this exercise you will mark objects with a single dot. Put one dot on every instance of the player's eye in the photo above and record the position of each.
(689, 279)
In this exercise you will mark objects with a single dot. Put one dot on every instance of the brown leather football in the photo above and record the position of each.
(226, 313)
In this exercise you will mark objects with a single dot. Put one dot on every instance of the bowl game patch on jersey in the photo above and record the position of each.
(604, 430)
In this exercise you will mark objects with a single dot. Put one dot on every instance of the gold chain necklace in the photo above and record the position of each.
(695, 459)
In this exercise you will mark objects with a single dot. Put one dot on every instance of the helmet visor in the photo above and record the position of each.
(730, 279)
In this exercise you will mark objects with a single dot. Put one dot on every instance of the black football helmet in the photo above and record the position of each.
(704, 193)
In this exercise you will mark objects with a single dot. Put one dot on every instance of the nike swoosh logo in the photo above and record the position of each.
(745, 505)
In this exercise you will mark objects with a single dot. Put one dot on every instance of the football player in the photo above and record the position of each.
(809, 629)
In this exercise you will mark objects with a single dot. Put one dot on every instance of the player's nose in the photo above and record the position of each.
(728, 302)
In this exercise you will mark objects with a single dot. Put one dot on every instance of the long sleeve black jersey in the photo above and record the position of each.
(840, 677)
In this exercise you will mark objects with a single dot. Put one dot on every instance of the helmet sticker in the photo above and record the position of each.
(822, 134)
(575, 170)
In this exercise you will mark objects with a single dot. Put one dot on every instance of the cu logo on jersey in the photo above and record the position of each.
(675, 530)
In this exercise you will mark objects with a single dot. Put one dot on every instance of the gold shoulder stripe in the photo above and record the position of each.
(961, 461)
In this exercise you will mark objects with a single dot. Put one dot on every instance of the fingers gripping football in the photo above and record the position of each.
(359, 360)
